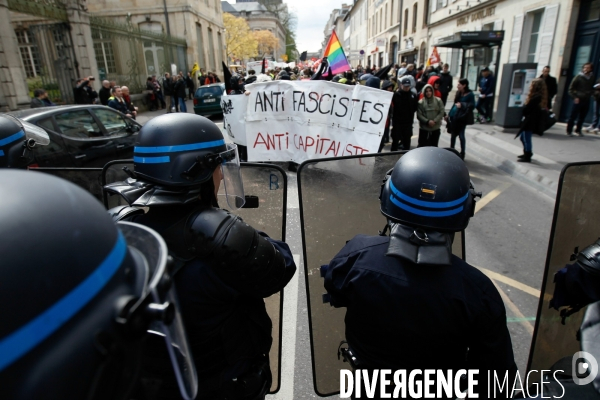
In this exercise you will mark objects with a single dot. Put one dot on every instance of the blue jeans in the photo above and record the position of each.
(461, 137)
(182, 106)
(526, 139)
(596, 120)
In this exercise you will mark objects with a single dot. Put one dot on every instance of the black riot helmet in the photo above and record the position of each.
(429, 188)
(80, 295)
(182, 151)
(17, 140)
(235, 83)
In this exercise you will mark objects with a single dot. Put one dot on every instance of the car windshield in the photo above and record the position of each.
(212, 90)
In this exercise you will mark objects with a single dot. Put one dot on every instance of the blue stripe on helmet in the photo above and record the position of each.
(152, 160)
(424, 213)
(24, 339)
(429, 204)
(181, 147)
(12, 138)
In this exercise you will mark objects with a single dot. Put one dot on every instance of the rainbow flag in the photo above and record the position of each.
(335, 55)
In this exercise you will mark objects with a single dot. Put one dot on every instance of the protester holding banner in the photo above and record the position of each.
(430, 113)
(405, 105)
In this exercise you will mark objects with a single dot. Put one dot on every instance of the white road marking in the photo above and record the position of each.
(288, 354)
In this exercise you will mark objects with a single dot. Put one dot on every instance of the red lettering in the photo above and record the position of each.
(350, 153)
(279, 135)
(271, 141)
(262, 142)
(306, 143)
(332, 148)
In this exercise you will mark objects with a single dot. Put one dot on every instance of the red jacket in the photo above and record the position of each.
(431, 81)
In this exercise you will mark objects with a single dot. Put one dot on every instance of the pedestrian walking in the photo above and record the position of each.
(430, 113)
(179, 90)
(487, 84)
(595, 127)
(551, 85)
(445, 83)
(461, 115)
(580, 90)
(403, 115)
(169, 89)
(533, 116)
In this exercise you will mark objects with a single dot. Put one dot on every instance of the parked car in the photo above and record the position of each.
(82, 135)
(207, 99)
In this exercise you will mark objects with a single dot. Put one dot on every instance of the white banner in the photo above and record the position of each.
(234, 110)
(301, 120)
(257, 66)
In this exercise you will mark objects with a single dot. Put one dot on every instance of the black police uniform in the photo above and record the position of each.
(228, 327)
(410, 303)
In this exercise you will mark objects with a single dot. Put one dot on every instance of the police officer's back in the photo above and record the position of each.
(410, 303)
(225, 267)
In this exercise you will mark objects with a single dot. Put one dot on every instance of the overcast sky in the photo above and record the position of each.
(312, 17)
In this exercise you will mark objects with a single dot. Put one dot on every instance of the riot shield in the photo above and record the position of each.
(265, 185)
(576, 224)
(339, 198)
(87, 178)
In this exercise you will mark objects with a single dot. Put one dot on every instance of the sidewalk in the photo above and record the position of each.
(551, 152)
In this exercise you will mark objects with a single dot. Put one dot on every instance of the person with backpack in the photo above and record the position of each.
(430, 113)
(461, 115)
(533, 116)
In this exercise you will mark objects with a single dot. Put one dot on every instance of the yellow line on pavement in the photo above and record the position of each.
(491, 196)
(513, 283)
(513, 307)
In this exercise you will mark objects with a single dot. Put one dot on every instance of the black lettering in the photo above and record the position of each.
(302, 102)
(314, 98)
(362, 111)
(276, 94)
(345, 107)
(321, 101)
(269, 101)
(379, 111)
(332, 105)
(294, 98)
(258, 101)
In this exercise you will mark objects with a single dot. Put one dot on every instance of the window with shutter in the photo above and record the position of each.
(546, 36)
(515, 41)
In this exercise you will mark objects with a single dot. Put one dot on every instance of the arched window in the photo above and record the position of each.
(414, 24)
(405, 21)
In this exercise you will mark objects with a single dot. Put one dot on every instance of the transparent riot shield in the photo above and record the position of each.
(339, 198)
(87, 178)
(265, 186)
(576, 224)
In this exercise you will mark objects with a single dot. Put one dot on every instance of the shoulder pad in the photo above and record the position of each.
(124, 213)
(239, 255)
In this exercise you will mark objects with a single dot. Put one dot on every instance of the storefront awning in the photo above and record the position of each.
(408, 51)
(465, 40)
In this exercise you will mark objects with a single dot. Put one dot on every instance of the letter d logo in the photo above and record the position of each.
(582, 363)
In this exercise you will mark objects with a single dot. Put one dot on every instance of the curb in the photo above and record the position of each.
(514, 169)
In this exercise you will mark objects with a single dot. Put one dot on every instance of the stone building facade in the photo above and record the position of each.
(259, 18)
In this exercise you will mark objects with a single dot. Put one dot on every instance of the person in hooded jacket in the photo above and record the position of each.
(404, 107)
(434, 81)
(238, 87)
(430, 113)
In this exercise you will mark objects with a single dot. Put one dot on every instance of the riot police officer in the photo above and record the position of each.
(17, 140)
(225, 267)
(411, 304)
(79, 295)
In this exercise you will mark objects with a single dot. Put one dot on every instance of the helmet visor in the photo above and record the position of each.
(232, 177)
(155, 252)
(36, 133)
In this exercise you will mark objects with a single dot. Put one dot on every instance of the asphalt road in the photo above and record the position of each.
(507, 239)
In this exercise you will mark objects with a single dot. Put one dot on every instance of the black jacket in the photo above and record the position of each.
(84, 94)
(403, 316)
(405, 106)
(179, 88)
(445, 83)
(226, 328)
(532, 114)
(168, 86)
(551, 85)
(104, 95)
